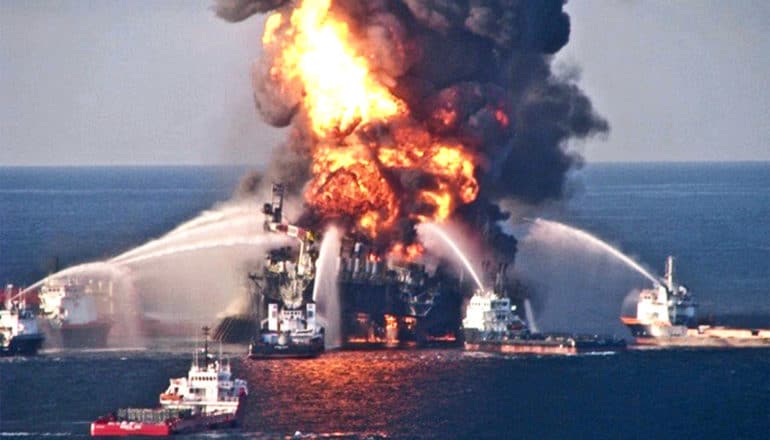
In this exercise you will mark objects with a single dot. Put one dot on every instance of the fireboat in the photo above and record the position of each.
(491, 325)
(666, 317)
(208, 398)
(19, 330)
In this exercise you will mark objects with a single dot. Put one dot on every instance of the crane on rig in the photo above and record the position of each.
(291, 277)
(283, 282)
(291, 328)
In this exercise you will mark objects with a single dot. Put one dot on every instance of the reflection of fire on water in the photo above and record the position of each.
(391, 330)
(393, 333)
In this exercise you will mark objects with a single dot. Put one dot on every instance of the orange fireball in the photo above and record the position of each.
(339, 89)
(316, 53)
(347, 183)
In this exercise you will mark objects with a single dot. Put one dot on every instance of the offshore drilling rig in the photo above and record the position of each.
(385, 299)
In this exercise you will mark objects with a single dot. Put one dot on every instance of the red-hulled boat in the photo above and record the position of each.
(158, 422)
(208, 398)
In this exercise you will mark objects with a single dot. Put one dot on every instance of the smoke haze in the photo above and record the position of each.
(475, 72)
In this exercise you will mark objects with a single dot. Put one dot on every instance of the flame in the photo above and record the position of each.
(502, 117)
(400, 252)
(346, 183)
(449, 163)
(391, 322)
(448, 117)
(272, 24)
(410, 322)
(340, 92)
(441, 200)
(317, 56)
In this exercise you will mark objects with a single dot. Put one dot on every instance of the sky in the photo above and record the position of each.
(167, 83)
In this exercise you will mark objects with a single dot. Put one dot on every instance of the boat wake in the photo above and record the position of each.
(338, 435)
(599, 353)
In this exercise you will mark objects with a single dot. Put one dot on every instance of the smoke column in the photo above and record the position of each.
(452, 107)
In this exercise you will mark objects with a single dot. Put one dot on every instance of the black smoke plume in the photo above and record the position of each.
(488, 62)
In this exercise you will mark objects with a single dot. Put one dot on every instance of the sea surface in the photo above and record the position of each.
(714, 217)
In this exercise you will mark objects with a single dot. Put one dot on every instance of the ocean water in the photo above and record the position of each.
(63, 216)
(432, 394)
(714, 217)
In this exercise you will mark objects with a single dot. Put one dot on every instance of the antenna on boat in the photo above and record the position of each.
(221, 361)
(206, 345)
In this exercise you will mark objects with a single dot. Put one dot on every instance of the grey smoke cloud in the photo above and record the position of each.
(239, 10)
(478, 71)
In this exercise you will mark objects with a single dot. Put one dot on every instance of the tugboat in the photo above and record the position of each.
(491, 325)
(19, 332)
(73, 314)
(208, 398)
(666, 317)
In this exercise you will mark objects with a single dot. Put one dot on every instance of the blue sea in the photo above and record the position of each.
(715, 218)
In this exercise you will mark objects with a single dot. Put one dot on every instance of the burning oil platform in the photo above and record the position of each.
(386, 298)
(403, 113)
(390, 301)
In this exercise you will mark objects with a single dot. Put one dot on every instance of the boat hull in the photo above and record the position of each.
(23, 345)
(118, 428)
(706, 336)
(289, 351)
(85, 335)
(509, 347)
(124, 429)
(543, 344)
(496, 347)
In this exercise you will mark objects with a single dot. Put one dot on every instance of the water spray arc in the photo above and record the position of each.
(530, 315)
(326, 290)
(207, 225)
(592, 240)
(232, 230)
(438, 231)
(206, 245)
(98, 266)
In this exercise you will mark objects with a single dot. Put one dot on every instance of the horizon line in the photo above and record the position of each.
(236, 165)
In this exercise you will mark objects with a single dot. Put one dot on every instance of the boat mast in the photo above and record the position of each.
(670, 273)
(206, 346)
